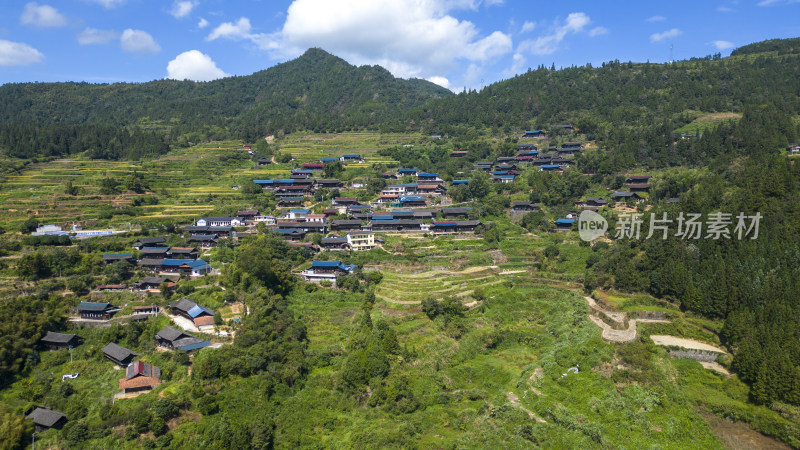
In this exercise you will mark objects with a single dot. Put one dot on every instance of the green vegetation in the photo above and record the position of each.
(437, 341)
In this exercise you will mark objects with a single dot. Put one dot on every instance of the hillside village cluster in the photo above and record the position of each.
(346, 225)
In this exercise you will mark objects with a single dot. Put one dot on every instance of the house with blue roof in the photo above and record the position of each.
(533, 134)
(549, 168)
(199, 315)
(175, 339)
(564, 224)
(412, 201)
(300, 213)
(327, 270)
(404, 172)
(457, 182)
(354, 157)
(193, 267)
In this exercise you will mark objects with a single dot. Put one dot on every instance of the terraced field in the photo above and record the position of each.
(189, 181)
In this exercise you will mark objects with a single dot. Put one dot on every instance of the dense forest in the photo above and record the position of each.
(321, 92)
(316, 91)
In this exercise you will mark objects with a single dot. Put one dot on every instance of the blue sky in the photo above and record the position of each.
(455, 43)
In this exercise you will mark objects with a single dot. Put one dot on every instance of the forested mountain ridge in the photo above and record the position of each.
(617, 95)
(316, 90)
(321, 92)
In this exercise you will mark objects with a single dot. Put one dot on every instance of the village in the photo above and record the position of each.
(411, 203)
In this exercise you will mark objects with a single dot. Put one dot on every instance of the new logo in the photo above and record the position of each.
(591, 225)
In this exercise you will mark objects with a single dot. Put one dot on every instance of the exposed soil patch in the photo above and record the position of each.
(672, 341)
(739, 436)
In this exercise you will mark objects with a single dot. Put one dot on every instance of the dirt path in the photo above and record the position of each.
(611, 334)
(715, 367)
(691, 344)
(512, 397)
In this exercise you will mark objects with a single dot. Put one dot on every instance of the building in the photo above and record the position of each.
(199, 315)
(406, 173)
(110, 258)
(351, 158)
(449, 213)
(334, 243)
(412, 201)
(225, 221)
(55, 341)
(144, 312)
(564, 224)
(298, 214)
(183, 252)
(463, 226)
(174, 339)
(149, 242)
(520, 206)
(344, 201)
(345, 225)
(96, 311)
(639, 187)
(140, 377)
(327, 270)
(428, 177)
(203, 240)
(627, 197)
(329, 183)
(397, 225)
(153, 283)
(533, 134)
(361, 240)
(44, 419)
(118, 354)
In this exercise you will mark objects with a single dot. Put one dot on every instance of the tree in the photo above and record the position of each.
(69, 189)
(109, 186)
(30, 225)
(14, 429)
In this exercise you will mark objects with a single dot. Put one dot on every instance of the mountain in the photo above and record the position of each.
(598, 99)
(315, 90)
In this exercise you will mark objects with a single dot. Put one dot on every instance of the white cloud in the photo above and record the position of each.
(42, 16)
(95, 36)
(441, 81)
(138, 41)
(658, 37)
(18, 54)
(202, 23)
(228, 30)
(547, 44)
(724, 9)
(108, 3)
(656, 19)
(182, 8)
(598, 31)
(194, 65)
(528, 27)
(411, 38)
(723, 45)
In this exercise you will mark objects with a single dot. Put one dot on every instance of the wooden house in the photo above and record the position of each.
(44, 419)
(96, 310)
(140, 377)
(56, 341)
(174, 339)
(199, 315)
(118, 354)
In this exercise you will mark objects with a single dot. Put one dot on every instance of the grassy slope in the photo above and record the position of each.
(533, 322)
